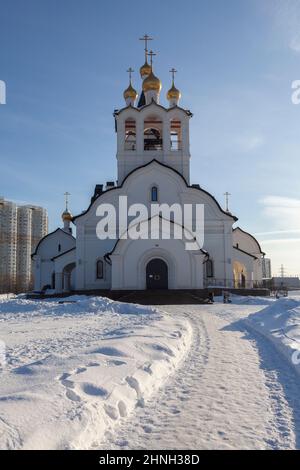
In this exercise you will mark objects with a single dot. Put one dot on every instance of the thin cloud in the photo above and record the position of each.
(281, 243)
(249, 142)
(282, 212)
(280, 201)
(286, 16)
(277, 232)
(281, 240)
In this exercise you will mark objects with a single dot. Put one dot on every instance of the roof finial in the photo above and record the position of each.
(130, 94)
(151, 54)
(66, 194)
(227, 194)
(173, 71)
(130, 71)
(146, 38)
(173, 95)
(66, 215)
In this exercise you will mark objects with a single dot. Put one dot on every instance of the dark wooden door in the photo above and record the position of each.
(157, 274)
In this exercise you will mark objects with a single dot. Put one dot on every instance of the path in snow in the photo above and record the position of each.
(233, 390)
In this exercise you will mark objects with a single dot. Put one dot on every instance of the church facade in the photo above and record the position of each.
(153, 168)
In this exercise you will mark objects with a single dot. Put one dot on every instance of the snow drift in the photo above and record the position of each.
(280, 322)
(75, 369)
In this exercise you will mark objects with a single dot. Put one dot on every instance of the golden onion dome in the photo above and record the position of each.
(130, 92)
(173, 93)
(67, 216)
(145, 69)
(152, 83)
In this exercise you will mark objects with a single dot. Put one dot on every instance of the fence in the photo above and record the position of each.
(233, 284)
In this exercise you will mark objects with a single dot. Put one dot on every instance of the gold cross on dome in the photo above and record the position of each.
(146, 38)
(67, 199)
(151, 54)
(130, 71)
(173, 71)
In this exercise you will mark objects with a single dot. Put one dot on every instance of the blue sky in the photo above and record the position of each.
(64, 63)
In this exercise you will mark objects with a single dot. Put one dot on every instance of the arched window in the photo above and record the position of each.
(175, 135)
(209, 268)
(130, 134)
(100, 269)
(154, 194)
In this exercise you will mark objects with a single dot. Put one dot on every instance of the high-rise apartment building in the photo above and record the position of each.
(21, 228)
(266, 268)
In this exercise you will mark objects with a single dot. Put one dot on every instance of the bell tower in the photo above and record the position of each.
(149, 130)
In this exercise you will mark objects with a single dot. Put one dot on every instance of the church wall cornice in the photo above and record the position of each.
(148, 107)
(230, 216)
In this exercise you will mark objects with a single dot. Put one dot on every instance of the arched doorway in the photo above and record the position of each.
(157, 274)
(68, 278)
(239, 274)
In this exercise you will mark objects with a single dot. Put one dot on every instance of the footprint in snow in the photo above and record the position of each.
(122, 443)
(91, 389)
(68, 383)
(147, 429)
(122, 409)
(24, 370)
(133, 383)
(109, 351)
(72, 395)
(116, 363)
(147, 368)
(175, 411)
(176, 334)
(111, 411)
(64, 376)
(163, 349)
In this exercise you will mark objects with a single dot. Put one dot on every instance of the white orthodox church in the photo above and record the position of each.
(153, 159)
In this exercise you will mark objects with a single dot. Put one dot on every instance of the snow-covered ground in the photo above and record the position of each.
(235, 390)
(280, 323)
(73, 370)
(93, 373)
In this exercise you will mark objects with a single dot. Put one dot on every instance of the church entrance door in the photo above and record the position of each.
(157, 274)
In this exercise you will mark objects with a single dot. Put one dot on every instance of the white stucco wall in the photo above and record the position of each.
(130, 259)
(248, 243)
(129, 160)
(46, 250)
(248, 262)
(171, 189)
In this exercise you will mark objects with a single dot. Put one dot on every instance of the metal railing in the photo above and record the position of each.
(233, 284)
(153, 144)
